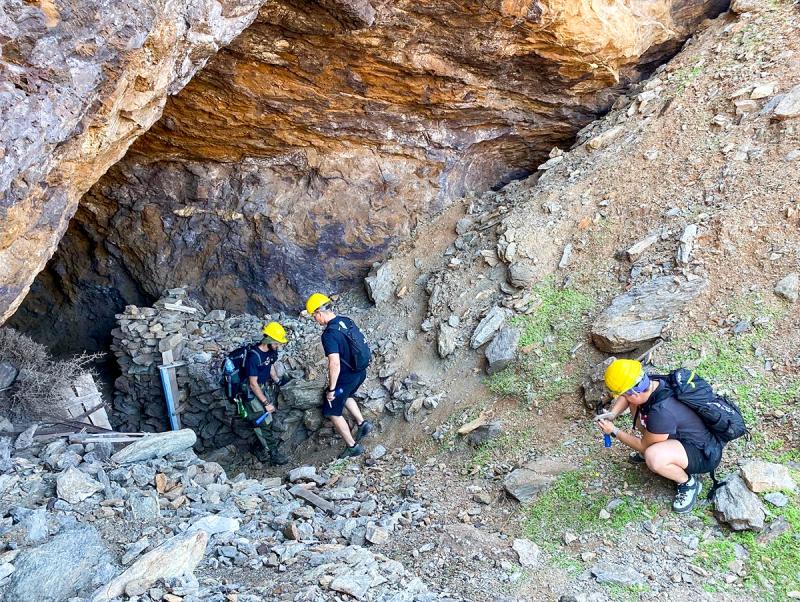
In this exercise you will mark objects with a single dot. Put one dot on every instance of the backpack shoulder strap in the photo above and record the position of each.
(715, 485)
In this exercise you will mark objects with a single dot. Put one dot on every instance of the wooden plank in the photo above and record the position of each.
(178, 307)
(473, 424)
(312, 498)
(79, 400)
(89, 411)
(170, 381)
(91, 439)
(640, 247)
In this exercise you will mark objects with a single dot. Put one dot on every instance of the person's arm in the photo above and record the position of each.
(618, 406)
(259, 393)
(334, 367)
(273, 373)
(630, 439)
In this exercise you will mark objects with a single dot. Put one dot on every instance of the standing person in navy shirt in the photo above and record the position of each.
(343, 377)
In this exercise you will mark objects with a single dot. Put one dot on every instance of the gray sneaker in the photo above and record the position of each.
(687, 494)
(365, 429)
(352, 452)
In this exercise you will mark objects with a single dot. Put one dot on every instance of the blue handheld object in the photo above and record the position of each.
(261, 419)
(606, 440)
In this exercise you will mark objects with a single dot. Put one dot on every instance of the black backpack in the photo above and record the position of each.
(233, 368)
(720, 415)
(359, 348)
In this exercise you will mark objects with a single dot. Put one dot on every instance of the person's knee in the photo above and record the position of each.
(653, 458)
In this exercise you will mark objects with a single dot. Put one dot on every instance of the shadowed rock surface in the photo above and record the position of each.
(326, 131)
(80, 81)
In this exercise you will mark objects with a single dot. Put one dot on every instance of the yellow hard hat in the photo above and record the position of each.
(316, 301)
(621, 375)
(275, 331)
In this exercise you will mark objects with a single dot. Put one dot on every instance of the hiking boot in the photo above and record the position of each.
(365, 429)
(352, 452)
(278, 458)
(687, 494)
(636, 458)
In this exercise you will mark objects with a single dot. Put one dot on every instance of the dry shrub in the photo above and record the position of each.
(39, 390)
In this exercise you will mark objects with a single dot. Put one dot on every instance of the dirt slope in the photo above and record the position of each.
(689, 146)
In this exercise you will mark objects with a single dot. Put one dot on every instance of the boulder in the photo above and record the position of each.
(177, 556)
(521, 275)
(641, 314)
(605, 138)
(379, 284)
(789, 106)
(527, 551)
(765, 476)
(59, 569)
(303, 473)
(302, 394)
(155, 445)
(446, 340)
(484, 433)
(503, 349)
(595, 392)
(8, 374)
(352, 583)
(606, 572)
(739, 507)
(74, 486)
(213, 524)
(143, 508)
(745, 6)
(25, 439)
(488, 326)
(789, 287)
(527, 482)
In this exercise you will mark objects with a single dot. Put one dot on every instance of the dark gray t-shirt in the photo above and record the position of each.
(665, 415)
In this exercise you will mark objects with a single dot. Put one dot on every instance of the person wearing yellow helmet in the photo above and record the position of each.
(261, 374)
(675, 443)
(343, 343)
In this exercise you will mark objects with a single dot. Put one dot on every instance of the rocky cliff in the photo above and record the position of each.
(328, 130)
(80, 81)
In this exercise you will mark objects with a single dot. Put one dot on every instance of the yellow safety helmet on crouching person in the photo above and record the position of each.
(316, 301)
(275, 331)
(622, 375)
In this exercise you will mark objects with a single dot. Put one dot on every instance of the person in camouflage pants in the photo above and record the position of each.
(259, 395)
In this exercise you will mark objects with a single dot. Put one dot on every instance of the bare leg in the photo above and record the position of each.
(341, 426)
(668, 459)
(352, 407)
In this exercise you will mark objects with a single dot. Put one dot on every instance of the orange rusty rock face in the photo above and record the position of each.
(302, 152)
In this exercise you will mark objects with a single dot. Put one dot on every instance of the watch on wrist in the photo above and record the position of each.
(614, 432)
(332, 390)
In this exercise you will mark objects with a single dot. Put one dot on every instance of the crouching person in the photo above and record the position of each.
(675, 442)
(261, 378)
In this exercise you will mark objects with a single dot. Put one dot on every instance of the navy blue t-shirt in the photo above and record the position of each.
(665, 415)
(334, 341)
(259, 363)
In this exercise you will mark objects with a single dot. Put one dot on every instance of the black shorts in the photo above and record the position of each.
(699, 463)
(335, 407)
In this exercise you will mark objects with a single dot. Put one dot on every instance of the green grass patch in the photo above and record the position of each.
(683, 76)
(776, 563)
(505, 446)
(566, 562)
(625, 593)
(730, 364)
(548, 335)
(566, 506)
